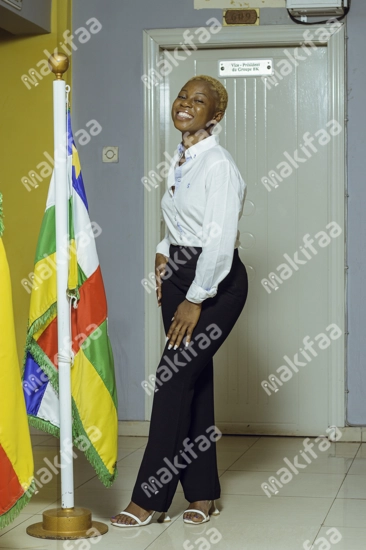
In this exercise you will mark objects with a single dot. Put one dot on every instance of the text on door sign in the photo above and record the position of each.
(245, 67)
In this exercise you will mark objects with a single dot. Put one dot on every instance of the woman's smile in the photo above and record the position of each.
(183, 115)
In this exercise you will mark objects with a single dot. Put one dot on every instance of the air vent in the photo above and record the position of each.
(316, 7)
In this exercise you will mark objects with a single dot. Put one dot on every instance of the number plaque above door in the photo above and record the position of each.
(235, 18)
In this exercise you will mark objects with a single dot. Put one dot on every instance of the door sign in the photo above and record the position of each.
(245, 67)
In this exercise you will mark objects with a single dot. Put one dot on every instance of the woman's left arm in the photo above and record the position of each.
(225, 195)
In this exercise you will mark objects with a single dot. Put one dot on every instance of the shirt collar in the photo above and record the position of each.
(194, 150)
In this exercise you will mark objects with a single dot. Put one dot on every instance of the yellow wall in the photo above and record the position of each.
(26, 132)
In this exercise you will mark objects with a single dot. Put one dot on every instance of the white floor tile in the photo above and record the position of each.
(236, 442)
(358, 467)
(48, 471)
(352, 539)
(257, 460)
(347, 513)
(296, 444)
(125, 480)
(22, 517)
(273, 442)
(123, 453)
(51, 441)
(128, 442)
(361, 451)
(229, 536)
(39, 439)
(132, 460)
(225, 459)
(42, 500)
(236, 534)
(277, 511)
(249, 520)
(354, 486)
(17, 538)
(301, 485)
(344, 450)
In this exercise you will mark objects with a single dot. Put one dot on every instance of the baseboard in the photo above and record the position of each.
(353, 434)
(125, 427)
(350, 434)
(133, 428)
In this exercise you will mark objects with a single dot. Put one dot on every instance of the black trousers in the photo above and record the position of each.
(182, 435)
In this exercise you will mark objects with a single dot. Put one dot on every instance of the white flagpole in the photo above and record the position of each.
(66, 522)
(63, 305)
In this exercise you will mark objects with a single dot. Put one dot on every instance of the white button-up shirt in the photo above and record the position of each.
(204, 211)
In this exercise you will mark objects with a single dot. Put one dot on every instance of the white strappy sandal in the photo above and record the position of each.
(163, 518)
(213, 511)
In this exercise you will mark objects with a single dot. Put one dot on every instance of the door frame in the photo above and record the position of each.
(262, 36)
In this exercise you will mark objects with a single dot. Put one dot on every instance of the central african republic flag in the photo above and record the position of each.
(94, 396)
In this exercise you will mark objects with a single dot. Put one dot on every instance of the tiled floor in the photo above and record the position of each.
(320, 500)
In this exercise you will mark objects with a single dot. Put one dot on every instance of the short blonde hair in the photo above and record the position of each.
(217, 86)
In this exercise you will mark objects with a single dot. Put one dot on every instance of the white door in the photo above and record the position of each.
(263, 127)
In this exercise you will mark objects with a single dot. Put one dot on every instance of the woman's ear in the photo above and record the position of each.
(213, 123)
(219, 116)
(215, 120)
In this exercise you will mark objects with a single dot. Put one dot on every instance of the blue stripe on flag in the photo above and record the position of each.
(78, 185)
(70, 137)
(77, 182)
(33, 386)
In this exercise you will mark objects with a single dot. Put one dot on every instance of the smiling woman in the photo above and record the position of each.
(207, 287)
(200, 105)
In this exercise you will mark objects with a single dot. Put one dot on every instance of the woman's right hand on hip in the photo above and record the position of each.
(160, 263)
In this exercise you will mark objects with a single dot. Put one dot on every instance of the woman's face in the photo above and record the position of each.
(195, 106)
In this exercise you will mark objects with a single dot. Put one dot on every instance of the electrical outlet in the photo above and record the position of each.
(110, 154)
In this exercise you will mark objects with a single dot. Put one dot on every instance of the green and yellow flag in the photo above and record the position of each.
(16, 458)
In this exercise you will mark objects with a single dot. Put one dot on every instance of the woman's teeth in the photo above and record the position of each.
(182, 114)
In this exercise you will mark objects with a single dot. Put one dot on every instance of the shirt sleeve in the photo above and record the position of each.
(225, 199)
(164, 245)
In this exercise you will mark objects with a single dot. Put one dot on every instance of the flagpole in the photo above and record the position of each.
(63, 306)
(67, 522)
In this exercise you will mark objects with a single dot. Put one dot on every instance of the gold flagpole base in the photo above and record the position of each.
(67, 523)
